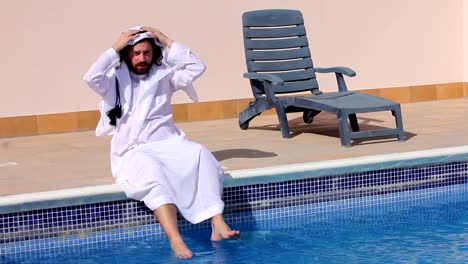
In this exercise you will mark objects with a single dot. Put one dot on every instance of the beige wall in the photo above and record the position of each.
(48, 45)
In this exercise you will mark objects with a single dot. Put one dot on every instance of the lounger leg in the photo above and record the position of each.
(308, 115)
(254, 109)
(283, 120)
(344, 131)
(399, 123)
(353, 122)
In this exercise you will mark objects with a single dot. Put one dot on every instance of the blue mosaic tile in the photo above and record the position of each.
(106, 221)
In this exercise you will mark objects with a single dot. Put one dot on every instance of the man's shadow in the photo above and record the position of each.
(225, 154)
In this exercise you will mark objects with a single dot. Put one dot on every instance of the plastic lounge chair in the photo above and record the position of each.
(279, 62)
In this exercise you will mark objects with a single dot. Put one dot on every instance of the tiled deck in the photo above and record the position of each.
(73, 160)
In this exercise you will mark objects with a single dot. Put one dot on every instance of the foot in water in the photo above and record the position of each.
(180, 249)
(220, 230)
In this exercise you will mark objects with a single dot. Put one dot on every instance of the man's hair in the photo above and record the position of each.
(157, 52)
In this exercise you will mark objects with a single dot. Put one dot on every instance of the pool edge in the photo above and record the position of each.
(112, 192)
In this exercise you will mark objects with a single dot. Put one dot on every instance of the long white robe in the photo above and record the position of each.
(152, 160)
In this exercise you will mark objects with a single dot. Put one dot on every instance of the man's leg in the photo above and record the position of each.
(167, 216)
(220, 230)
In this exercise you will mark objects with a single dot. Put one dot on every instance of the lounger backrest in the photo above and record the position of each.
(275, 42)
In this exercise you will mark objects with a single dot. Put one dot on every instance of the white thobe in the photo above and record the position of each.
(152, 160)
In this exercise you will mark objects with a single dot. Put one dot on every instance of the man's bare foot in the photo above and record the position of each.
(220, 230)
(180, 249)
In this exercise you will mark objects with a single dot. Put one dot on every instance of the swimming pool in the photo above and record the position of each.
(258, 201)
(428, 230)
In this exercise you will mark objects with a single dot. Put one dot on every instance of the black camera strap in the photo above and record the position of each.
(116, 112)
(117, 92)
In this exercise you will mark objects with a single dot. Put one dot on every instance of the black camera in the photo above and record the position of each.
(113, 114)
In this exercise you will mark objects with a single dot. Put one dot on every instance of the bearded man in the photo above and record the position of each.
(151, 159)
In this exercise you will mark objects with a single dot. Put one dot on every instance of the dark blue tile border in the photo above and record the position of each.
(241, 202)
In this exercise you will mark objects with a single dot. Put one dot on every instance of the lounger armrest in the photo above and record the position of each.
(339, 71)
(271, 78)
(268, 80)
(343, 70)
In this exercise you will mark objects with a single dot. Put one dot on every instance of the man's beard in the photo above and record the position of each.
(137, 69)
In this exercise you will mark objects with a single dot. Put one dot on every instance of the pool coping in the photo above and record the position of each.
(112, 192)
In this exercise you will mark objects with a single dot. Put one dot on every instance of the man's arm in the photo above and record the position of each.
(124, 38)
(163, 39)
(96, 77)
(188, 66)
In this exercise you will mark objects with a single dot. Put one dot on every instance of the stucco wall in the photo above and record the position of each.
(48, 45)
(465, 40)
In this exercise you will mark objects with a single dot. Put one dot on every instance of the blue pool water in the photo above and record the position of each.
(432, 230)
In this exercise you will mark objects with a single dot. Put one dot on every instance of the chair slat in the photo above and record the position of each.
(272, 18)
(279, 65)
(276, 43)
(278, 54)
(291, 87)
(297, 75)
(274, 32)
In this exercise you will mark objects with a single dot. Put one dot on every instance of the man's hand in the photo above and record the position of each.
(163, 39)
(124, 38)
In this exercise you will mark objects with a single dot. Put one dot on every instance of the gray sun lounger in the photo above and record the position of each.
(279, 62)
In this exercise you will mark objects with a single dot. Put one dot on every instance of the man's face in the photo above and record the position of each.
(141, 57)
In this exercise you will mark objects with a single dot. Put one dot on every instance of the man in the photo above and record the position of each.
(151, 159)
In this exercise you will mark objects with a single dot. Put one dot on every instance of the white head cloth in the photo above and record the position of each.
(143, 35)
